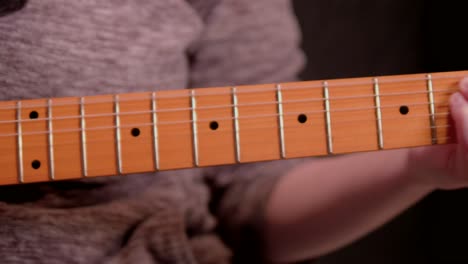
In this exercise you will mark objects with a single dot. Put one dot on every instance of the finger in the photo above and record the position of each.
(464, 87)
(459, 110)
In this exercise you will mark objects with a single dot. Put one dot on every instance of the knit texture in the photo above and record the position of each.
(49, 48)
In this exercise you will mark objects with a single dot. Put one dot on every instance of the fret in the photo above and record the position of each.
(378, 112)
(175, 141)
(9, 154)
(84, 150)
(35, 140)
(441, 107)
(279, 98)
(118, 145)
(100, 135)
(51, 140)
(405, 111)
(193, 104)
(19, 130)
(136, 132)
(64, 115)
(215, 129)
(154, 119)
(326, 96)
(236, 124)
(432, 120)
(304, 124)
(352, 107)
(258, 120)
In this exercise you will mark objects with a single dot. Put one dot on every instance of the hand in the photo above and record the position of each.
(458, 162)
(322, 205)
(446, 167)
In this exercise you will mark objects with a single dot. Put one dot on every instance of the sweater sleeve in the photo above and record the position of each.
(246, 42)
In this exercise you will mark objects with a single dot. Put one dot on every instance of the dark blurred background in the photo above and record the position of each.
(351, 38)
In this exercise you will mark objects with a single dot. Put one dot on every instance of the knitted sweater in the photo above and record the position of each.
(54, 48)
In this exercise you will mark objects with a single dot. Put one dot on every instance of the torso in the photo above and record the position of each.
(92, 47)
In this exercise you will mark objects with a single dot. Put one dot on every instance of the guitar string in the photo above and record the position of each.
(101, 155)
(418, 131)
(202, 108)
(412, 131)
(362, 96)
(231, 118)
(311, 100)
(201, 92)
(329, 99)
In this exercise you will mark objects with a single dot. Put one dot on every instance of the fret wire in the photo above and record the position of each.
(117, 133)
(19, 130)
(236, 123)
(155, 131)
(431, 108)
(51, 141)
(279, 98)
(328, 118)
(194, 127)
(378, 113)
(84, 149)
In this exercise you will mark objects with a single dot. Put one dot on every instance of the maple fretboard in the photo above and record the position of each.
(72, 138)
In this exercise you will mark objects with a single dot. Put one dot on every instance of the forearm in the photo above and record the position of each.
(325, 204)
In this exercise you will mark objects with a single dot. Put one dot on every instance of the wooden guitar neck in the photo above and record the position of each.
(72, 138)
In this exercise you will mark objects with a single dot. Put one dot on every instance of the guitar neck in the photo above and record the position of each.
(71, 138)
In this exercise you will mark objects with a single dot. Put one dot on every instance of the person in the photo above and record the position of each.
(271, 212)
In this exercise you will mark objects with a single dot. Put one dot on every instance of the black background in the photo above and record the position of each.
(351, 38)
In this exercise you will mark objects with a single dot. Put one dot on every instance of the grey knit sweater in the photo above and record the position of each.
(52, 48)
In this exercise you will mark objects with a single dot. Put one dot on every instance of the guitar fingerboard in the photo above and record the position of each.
(71, 138)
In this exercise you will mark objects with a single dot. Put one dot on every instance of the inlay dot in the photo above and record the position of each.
(404, 110)
(135, 132)
(302, 118)
(36, 164)
(33, 115)
(214, 125)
